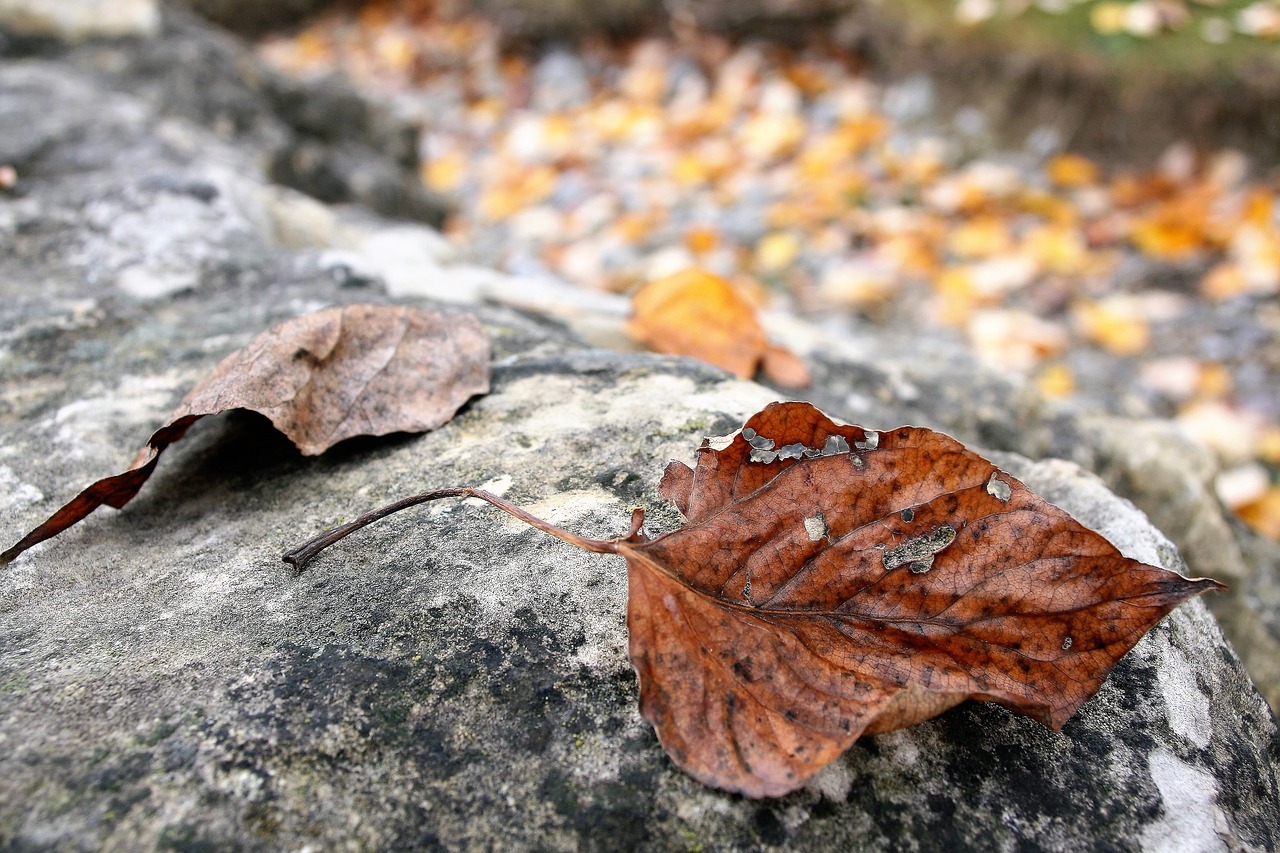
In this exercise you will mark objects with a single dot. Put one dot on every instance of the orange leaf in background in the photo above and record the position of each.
(1170, 233)
(698, 314)
(1072, 170)
(1263, 515)
(700, 239)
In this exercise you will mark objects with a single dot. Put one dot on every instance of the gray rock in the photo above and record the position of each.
(448, 678)
(320, 136)
(76, 20)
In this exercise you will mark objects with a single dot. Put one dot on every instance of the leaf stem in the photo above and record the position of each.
(299, 556)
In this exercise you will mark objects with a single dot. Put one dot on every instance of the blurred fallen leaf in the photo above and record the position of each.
(698, 314)
(1113, 324)
(1263, 515)
(1072, 170)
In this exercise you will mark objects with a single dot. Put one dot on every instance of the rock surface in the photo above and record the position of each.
(320, 137)
(449, 678)
(76, 20)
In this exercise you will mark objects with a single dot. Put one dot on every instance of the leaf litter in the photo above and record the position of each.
(320, 378)
(811, 188)
(854, 587)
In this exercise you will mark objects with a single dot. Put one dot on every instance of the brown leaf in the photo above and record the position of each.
(832, 582)
(320, 378)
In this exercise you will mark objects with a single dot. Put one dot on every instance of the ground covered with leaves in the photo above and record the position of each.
(812, 189)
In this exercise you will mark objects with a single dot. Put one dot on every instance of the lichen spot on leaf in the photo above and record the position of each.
(999, 489)
(918, 551)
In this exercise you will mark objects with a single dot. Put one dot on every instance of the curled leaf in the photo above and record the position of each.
(320, 378)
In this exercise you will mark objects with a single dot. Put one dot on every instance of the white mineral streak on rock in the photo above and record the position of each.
(834, 781)
(497, 486)
(83, 428)
(1187, 703)
(16, 495)
(1190, 819)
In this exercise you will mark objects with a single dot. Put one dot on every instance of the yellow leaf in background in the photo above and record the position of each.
(823, 154)
(809, 77)
(1051, 206)
(698, 314)
(1056, 381)
(980, 237)
(1014, 339)
(1260, 208)
(523, 188)
(1256, 251)
(956, 295)
(313, 46)
(1113, 324)
(394, 50)
(645, 81)
(445, 173)
(1108, 18)
(768, 136)
(1228, 430)
(1072, 170)
(1058, 249)
(859, 132)
(776, 251)
(689, 170)
(1269, 445)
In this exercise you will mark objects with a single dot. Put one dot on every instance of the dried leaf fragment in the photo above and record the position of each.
(320, 378)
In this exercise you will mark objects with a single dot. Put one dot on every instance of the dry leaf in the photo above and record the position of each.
(698, 314)
(833, 581)
(320, 378)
